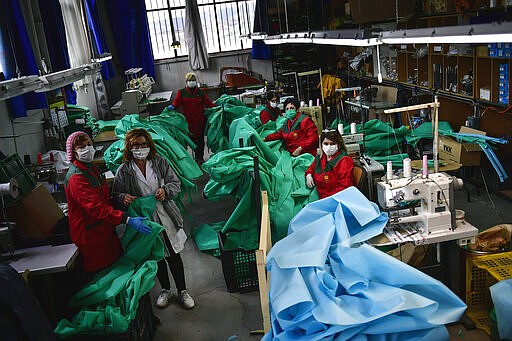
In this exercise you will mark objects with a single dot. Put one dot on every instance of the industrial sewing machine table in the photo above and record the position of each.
(44, 259)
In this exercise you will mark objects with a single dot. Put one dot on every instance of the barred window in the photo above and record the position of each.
(223, 22)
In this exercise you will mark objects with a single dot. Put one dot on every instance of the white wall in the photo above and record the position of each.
(29, 129)
(171, 75)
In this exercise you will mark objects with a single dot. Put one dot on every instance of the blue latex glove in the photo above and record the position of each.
(139, 224)
(170, 107)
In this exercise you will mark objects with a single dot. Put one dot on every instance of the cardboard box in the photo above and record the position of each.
(35, 214)
(366, 11)
(467, 154)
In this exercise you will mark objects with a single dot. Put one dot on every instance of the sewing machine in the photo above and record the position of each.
(353, 143)
(425, 202)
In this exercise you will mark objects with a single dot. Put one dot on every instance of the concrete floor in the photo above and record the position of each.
(220, 315)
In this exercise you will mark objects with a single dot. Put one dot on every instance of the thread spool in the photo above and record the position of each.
(310, 102)
(39, 158)
(340, 128)
(459, 215)
(4, 188)
(425, 166)
(302, 103)
(389, 170)
(318, 102)
(407, 168)
(353, 128)
(10, 188)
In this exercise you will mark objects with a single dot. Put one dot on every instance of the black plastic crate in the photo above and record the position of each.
(142, 328)
(239, 268)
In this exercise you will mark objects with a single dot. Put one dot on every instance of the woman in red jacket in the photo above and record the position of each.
(331, 171)
(299, 133)
(193, 101)
(271, 112)
(92, 218)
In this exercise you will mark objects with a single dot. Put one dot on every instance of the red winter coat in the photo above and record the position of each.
(92, 218)
(269, 114)
(193, 102)
(301, 131)
(333, 176)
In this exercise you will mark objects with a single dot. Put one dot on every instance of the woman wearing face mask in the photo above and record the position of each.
(144, 173)
(299, 133)
(92, 217)
(191, 102)
(271, 112)
(331, 171)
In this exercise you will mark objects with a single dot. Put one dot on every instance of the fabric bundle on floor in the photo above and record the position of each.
(325, 285)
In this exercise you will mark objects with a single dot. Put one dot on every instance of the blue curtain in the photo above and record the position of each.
(130, 29)
(14, 31)
(55, 34)
(98, 36)
(259, 49)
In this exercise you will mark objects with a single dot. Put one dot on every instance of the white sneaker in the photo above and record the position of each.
(186, 300)
(163, 299)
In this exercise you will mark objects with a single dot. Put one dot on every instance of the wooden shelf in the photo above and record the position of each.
(446, 72)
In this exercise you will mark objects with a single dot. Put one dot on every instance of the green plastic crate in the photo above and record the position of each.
(12, 167)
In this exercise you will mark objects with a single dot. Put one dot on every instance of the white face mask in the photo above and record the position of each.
(273, 104)
(191, 84)
(85, 154)
(329, 150)
(141, 153)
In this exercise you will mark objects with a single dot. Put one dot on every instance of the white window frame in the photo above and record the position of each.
(164, 28)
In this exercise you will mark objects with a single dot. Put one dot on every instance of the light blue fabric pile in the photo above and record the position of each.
(501, 293)
(324, 285)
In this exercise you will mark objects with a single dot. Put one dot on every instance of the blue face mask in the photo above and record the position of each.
(290, 114)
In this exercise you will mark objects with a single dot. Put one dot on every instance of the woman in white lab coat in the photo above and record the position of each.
(144, 173)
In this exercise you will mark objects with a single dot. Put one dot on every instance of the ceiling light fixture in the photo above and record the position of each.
(62, 78)
(102, 58)
(254, 36)
(466, 34)
(273, 40)
(359, 38)
(18, 86)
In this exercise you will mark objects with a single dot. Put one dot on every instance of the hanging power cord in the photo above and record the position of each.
(490, 198)
(279, 17)
(396, 11)
(18, 72)
(379, 74)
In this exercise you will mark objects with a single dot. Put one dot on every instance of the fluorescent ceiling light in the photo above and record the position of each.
(297, 38)
(103, 58)
(62, 78)
(347, 42)
(348, 37)
(288, 38)
(273, 40)
(466, 34)
(254, 36)
(257, 36)
(91, 69)
(18, 86)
